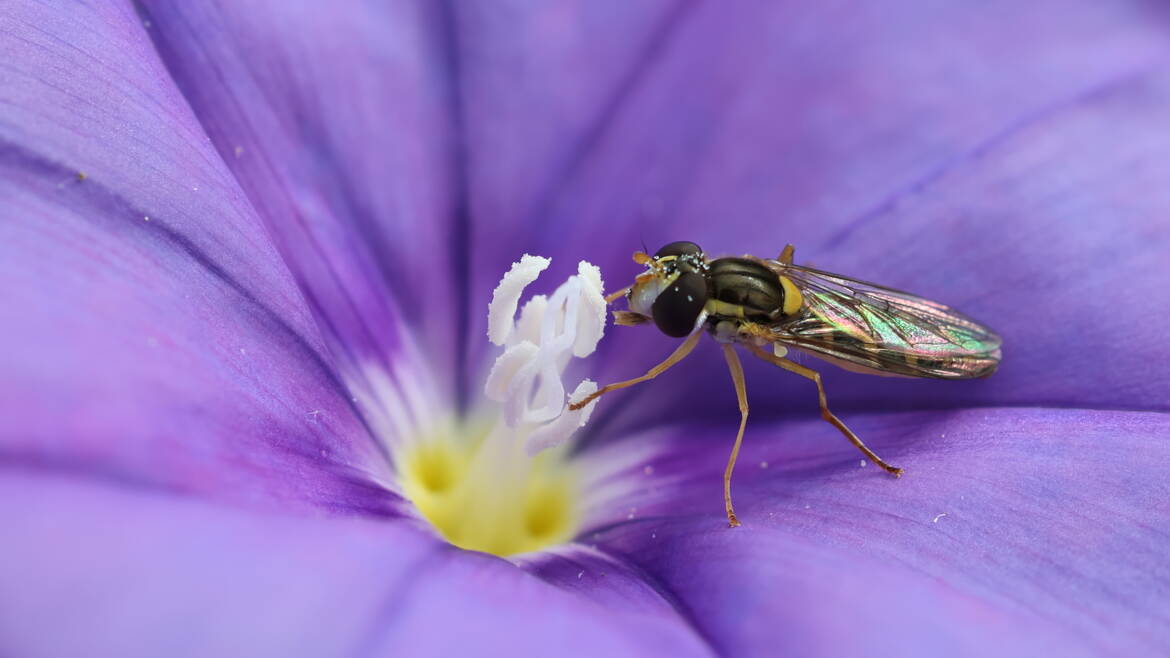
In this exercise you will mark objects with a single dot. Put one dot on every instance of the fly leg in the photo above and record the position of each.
(678, 355)
(809, 373)
(614, 296)
(736, 369)
(786, 254)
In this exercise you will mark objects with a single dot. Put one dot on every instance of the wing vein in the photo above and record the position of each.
(857, 323)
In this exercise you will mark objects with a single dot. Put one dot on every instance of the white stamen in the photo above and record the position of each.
(591, 322)
(549, 399)
(506, 367)
(505, 298)
(526, 378)
(528, 328)
(557, 432)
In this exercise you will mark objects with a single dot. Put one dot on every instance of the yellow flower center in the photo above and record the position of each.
(503, 503)
(509, 488)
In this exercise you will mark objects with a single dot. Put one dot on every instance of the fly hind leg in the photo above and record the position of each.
(809, 373)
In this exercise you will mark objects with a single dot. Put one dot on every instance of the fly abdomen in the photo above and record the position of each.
(745, 289)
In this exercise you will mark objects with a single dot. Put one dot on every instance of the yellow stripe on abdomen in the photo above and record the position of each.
(726, 309)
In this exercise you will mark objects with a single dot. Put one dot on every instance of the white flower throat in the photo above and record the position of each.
(509, 489)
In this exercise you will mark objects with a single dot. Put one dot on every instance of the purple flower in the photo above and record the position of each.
(244, 247)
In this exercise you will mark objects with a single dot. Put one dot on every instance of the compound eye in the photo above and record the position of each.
(677, 307)
(679, 249)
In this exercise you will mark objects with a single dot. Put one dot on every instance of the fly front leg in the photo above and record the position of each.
(678, 355)
(809, 373)
(616, 295)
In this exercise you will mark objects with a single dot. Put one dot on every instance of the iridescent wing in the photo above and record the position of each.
(870, 328)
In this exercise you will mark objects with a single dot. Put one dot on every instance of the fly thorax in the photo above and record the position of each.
(745, 289)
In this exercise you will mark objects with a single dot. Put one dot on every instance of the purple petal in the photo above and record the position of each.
(623, 589)
(539, 92)
(337, 124)
(151, 333)
(1032, 529)
(92, 570)
(1007, 160)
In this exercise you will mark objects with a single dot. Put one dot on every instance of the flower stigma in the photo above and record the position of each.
(506, 486)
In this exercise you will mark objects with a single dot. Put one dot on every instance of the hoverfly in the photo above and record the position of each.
(768, 306)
